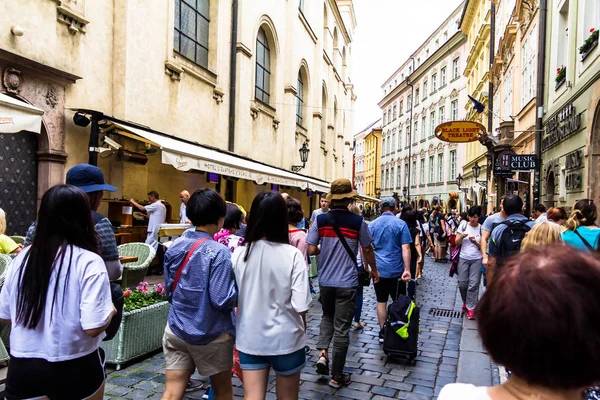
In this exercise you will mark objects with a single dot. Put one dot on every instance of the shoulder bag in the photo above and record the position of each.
(364, 278)
(585, 242)
(184, 263)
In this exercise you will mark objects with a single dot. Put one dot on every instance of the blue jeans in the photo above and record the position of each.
(359, 303)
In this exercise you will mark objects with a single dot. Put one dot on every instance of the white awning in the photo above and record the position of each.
(185, 156)
(364, 197)
(17, 116)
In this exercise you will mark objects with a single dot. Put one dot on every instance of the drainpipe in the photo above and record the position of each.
(491, 99)
(410, 132)
(233, 74)
(539, 98)
(93, 142)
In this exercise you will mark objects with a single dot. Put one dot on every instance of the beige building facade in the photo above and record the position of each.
(156, 78)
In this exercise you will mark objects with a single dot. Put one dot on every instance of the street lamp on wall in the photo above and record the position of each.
(459, 180)
(304, 150)
(476, 172)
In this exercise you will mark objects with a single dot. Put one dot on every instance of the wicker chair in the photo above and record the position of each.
(18, 239)
(5, 329)
(134, 272)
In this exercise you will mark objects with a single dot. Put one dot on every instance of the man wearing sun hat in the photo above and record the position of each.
(90, 179)
(338, 275)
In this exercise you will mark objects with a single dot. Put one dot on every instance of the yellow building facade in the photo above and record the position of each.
(372, 160)
(475, 24)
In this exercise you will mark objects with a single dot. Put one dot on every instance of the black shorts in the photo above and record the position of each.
(69, 380)
(389, 287)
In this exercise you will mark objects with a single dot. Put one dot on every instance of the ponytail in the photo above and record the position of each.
(575, 220)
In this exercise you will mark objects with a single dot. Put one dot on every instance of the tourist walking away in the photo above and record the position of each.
(339, 234)
(228, 235)
(90, 179)
(542, 234)
(553, 350)
(358, 324)
(7, 245)
(452, 223)
(57, 299)
(416, 256)
(487, 227)
(426, 243)
(439, 231)
(297, 236)
(274, 297)
(539, 213)
(200, 285)
(582, 231)
(506, 238)
(184, 196)
(324, 208)
(468, 237)
(156, 212)
(558, 215)
(391, 242)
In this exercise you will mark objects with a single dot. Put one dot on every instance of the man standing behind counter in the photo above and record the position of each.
(184, 196)
(157, 215)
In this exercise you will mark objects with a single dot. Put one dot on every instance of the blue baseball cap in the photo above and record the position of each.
(388, 202)
(88, 178)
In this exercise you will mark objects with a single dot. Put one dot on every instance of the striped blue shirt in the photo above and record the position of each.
(204, 299)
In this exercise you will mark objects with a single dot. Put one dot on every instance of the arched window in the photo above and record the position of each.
(300, 99)
(263, 68)
(191, 30)
(323, 114)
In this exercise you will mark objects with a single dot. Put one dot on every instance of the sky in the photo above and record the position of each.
(387, 33)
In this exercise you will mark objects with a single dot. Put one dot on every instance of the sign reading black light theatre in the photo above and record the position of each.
(561, 126)
(523, 162)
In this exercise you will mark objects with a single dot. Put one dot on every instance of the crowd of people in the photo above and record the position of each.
(239, 290)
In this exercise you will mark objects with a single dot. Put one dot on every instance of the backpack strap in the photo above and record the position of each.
(331, 220)
(184, 263)
(585, 242)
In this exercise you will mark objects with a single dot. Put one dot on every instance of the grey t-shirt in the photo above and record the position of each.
(315, 214)
(492, 220)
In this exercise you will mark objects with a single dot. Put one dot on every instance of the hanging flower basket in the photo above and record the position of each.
(589, 45)
(561, 76)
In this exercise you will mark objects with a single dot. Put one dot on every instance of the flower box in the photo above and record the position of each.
(589, 45)
(140, 333)
(561, 77)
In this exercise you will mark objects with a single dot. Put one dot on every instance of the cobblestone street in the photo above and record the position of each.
(373, 375)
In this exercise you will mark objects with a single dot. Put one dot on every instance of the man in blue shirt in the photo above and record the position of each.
(513, 207)
(391, 242)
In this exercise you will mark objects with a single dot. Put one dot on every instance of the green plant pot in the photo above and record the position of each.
(140, 333)
(591, 48)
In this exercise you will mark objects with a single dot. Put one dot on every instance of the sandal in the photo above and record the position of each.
(340, 381)
(322, 365)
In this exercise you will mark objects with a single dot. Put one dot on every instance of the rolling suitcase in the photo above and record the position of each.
(401, 330)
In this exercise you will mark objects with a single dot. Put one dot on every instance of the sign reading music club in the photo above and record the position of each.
(460, 131)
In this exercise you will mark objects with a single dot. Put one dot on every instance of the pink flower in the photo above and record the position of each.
(127, 293)
(139, 288)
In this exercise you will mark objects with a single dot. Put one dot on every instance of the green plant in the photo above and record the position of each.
(143, 297)
(561, 73)
(589, 42)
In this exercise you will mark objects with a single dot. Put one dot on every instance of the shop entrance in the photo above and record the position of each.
(19, 177)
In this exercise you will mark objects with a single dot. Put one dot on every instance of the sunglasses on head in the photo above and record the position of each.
(590, 201)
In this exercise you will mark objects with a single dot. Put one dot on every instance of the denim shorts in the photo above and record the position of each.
(285, 364)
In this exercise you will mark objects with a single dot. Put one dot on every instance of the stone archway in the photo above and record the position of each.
(593, 169)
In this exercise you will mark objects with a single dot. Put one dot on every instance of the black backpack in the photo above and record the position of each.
(510, 241)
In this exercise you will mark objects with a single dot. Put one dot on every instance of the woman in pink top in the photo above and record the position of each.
(297, 236)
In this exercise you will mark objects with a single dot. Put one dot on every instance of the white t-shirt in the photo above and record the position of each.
(469, 250)
(85, 304)
(273, 289)
(182, 213)
(158, 216)
(463, 391)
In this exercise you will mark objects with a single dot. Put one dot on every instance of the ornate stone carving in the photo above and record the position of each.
(51, 97)
(75, 22)
(454, 94)
(218, 95)
(11, 79)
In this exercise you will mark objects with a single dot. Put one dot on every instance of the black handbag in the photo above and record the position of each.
(364, 277)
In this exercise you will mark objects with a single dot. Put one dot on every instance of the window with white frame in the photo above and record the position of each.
(407, 141)
(400, 138)
(440, 167)
(432, 123)
(416, 96)
(398, 177)
(454, 110)
(452, 176)
(390, 115)
(192, 20)
(383, 146)
(406, 175)
(443, 77)
(408, 133)
(395, 112)
(528, 67)
(442, 116)
(409, 102)
(422, 171)
(299, 99)
(591, 17)
(433, 83)
(262, 89)
(507, 94)
(394, 140)
(431, 170)
(496, 119)
(455, 68)
(384, 118)
(414, 173)
(416, 130)
(382, 178)
(401, 107)
(562, 53)
(423, 127)
(424, 90)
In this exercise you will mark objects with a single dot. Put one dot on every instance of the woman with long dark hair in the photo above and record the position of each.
(410, 217)
(56, 297)
(274, 295)
(582, 231)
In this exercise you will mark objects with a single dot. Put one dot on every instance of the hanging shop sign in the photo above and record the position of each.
(460, 131)
(502, 166)
(561, 126)
(523, 162)
(574, 160)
